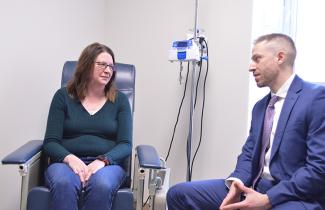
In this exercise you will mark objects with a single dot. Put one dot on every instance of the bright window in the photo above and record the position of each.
(310, 40)
(303, 20)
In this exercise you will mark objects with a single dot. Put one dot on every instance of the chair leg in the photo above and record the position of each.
(140, 189)
(158, 187)
(138, 184)
(30, 176)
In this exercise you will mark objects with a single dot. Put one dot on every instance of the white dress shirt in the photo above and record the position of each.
(281, 93)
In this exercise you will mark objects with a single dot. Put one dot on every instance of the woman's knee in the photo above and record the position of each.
(107, 180)
(103, 187)
(60, 176)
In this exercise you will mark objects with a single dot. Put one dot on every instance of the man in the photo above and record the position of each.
(282, 164)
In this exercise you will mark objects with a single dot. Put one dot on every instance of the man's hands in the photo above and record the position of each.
(233, 195)
(253, 201)
(80, 168)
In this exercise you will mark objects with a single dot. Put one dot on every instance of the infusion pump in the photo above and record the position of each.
(185, 50)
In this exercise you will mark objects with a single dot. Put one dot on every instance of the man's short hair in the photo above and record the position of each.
(278, 38)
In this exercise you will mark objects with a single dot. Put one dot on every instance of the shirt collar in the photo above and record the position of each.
(283, 90)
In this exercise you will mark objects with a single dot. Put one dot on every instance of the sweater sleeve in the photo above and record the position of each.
(54, 129)
(123, 146)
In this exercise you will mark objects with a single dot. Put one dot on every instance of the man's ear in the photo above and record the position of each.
(281, 57)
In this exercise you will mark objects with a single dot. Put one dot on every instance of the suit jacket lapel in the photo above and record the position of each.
(290, 100)
(260, 122)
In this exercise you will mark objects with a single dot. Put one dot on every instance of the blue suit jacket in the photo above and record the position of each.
(298, 153)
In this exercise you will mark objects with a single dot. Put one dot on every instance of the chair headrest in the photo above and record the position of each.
(124, 79)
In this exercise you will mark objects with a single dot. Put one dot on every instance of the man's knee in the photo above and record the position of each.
(205, 194)
(176, 197)
(174, 192)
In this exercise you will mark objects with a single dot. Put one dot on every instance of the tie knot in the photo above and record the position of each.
(273, 100)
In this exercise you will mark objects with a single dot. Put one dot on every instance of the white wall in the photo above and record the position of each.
(141, 32)
(37, 37)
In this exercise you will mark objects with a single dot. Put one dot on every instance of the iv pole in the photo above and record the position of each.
(190, 134)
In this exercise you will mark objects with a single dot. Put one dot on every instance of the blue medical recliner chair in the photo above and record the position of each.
(31, 162)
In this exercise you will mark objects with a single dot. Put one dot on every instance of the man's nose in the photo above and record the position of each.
(252, 66)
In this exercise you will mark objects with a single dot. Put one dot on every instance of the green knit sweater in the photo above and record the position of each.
(72, 130)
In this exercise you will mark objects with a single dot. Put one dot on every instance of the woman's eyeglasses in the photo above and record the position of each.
(103, 66)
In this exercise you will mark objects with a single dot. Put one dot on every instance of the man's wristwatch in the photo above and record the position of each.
(102, 158)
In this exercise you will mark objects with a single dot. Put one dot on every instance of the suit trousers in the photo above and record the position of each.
(209, 194)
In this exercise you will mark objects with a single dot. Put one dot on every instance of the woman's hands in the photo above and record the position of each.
(79, 167)
(93, 167)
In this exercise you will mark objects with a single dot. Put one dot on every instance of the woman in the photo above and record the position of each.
(88, 134)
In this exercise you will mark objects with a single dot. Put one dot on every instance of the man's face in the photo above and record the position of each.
(264, 65)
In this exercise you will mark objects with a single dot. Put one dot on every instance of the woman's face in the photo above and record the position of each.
(103, 69)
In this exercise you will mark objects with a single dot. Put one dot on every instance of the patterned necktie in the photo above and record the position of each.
(267, 128)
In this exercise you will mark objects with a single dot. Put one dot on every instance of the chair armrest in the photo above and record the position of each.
(148, 157)
(23, 153)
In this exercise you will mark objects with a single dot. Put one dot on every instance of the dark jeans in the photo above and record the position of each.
(209, 194)
(67, 192)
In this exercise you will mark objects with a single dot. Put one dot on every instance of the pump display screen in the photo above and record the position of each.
(182, 44)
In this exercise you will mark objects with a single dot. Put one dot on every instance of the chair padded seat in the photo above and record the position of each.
(38, 199)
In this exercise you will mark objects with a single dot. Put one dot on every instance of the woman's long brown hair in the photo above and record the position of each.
(77, 86)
